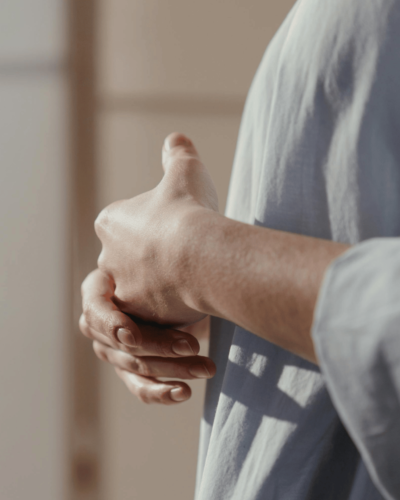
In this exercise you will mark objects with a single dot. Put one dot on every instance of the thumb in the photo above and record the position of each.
(178, 147)
(185, 173)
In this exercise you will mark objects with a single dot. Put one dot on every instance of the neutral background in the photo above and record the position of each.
(157, 66)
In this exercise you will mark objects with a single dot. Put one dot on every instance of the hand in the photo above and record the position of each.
(152, 352)
(143, 238)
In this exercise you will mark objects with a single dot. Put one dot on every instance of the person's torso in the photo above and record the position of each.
(315, 156)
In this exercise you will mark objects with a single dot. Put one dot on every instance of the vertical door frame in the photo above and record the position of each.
(84, 433)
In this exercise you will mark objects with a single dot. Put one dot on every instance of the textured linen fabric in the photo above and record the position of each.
(357, 337)
(318, 154)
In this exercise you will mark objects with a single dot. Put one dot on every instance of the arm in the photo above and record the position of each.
(175, 259)
(264, 280)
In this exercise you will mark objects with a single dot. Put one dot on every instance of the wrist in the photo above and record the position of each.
(199, 230)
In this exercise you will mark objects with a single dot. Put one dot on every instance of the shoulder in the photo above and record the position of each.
(349, 46)
(337, 26)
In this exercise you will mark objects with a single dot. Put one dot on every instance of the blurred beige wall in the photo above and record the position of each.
(167, 66)
(34, 232)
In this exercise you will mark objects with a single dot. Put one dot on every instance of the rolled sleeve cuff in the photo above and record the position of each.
(356, 334)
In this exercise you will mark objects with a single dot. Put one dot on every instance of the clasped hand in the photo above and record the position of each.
(138, 305)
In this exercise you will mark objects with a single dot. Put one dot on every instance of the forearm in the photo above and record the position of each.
(264, 280)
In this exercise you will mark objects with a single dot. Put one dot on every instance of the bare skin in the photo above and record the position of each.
(170, 259)
(159, 352)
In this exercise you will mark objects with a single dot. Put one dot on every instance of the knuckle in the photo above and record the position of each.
(102, 221)
(82, 323)
(89, 316)
(110, 326)
(132, 365)
(105, 219)
(100, 351)
(84, 328)
(101, 261)
(96, 315)
(84, 286)
(142, 367)
(87, 283)
(105, 320)
(88, 309)
(143, 395)
(163, 349)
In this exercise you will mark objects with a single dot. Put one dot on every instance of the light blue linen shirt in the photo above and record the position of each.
(318, 154)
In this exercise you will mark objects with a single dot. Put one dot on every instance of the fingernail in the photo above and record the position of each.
(177, 394)
(199, 371)
(182, 347)
(126, 337)
(179, 140)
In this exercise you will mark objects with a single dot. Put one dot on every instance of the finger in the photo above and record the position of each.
(193, 367)
(92, 334)
(150, 390)
(155, 341)
(185, 174)
(178, 146)
(102, 314)
(165, 342)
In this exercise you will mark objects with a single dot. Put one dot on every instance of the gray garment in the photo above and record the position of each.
(357, 336)
(318, 154)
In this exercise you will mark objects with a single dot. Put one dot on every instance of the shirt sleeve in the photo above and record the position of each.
(356, 333)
